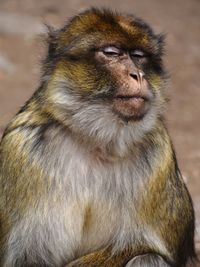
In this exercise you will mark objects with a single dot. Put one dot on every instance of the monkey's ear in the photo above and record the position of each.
(52, 40)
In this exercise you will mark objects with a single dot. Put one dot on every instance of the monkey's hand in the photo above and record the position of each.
(102, 258)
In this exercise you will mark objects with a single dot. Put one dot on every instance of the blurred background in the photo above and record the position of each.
(22, 47)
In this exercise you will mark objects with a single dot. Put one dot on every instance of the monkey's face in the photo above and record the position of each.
(110, 65)
(131, 97)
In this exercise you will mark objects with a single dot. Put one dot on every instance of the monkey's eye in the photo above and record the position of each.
(137, 53)
(111, 51)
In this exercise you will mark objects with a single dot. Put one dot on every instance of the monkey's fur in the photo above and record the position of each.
(88, 175)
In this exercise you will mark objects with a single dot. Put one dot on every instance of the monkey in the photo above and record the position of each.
(88, 172)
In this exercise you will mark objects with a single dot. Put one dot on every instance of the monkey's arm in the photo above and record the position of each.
(126, 258)
(103, 258)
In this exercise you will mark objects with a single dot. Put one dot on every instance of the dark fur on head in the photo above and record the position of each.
(61, 42)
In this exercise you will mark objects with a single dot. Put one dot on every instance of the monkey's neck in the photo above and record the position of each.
(122, 146)
(125, 142)
(105, 139)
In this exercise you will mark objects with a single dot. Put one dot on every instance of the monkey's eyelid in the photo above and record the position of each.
(138, 53)
(111, 50)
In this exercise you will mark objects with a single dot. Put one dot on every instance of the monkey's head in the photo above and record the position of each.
(104, 73)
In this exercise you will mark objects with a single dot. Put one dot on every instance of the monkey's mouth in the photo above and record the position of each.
(131, 106)
(132, 97)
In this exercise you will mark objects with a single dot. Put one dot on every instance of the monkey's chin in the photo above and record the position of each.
(131, 108)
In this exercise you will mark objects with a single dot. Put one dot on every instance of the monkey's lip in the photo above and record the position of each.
(136, 101)
(132, 97)
(131, 106)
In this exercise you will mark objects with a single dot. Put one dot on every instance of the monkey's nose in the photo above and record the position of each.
(137, 75)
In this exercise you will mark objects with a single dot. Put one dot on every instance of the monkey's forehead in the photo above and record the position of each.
(99, 26)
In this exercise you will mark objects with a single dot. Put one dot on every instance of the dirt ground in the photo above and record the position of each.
(22, 48)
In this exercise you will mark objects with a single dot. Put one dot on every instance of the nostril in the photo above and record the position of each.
(138, 76)
(134, 76)
(141, 74)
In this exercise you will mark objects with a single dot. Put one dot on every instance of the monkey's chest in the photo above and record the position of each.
(102, 222)
(101, 204)
(104, 212)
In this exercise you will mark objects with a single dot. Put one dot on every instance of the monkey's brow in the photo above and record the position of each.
(90, 39)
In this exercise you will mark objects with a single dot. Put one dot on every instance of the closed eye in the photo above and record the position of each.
(138, 53)
(111, 51)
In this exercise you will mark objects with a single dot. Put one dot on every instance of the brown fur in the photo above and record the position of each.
(88, 175)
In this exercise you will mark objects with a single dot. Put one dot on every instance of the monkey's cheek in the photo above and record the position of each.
(133, 108)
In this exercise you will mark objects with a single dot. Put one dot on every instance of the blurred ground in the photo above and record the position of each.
(22, 48)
